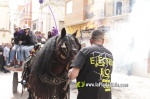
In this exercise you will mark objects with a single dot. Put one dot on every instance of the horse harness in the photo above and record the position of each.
(53, 79)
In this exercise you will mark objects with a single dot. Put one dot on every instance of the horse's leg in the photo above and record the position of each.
(30, 94)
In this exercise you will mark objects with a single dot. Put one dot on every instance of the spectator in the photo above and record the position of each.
(1, 58)
(83, 45)
(35, 32)
(43, 39)
(54, 31)
(39, 36)
(6, 54)
(43, 36)
(49, 34)
(18, 37)
(27, 43)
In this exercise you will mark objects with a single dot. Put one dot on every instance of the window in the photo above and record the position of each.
(109, 9)
(69, 7)
(131, 5)
(89, 11)
(28, 9)
(95, 1)
(61, 25)
(99, 6)
(25, 11)
(118, 8)
(90, 2)
(26, 22)
(34, 26)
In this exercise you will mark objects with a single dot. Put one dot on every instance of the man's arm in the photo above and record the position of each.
(76, 65)
(73, 73)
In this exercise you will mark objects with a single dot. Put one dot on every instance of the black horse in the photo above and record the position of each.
(49, 68)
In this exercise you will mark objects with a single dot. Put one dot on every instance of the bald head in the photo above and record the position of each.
(97, 36)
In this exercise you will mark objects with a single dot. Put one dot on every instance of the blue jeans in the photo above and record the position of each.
(20, 53)
(26, 50)
(7, 61)
(12, 53)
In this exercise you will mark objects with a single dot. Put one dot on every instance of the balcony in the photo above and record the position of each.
(24, 16)
(117, 11)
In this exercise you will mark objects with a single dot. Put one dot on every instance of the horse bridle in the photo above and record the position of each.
(65, 56)
(55, 80)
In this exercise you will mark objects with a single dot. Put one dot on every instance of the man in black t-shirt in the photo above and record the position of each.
(92, 69)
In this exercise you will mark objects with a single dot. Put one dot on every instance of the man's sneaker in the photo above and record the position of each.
(9, 64)
(6, 71)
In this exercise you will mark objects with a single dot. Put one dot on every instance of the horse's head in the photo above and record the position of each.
(67, 45)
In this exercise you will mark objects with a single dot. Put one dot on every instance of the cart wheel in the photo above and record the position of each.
(15, 82)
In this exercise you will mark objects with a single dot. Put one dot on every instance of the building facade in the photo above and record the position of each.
(4, 22)
(44, 18)
(116, 15)
(25, 13)
(81, 14)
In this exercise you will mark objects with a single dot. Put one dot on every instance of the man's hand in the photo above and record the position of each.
(69, 72)
(20, 42)
(73, 73)
(4, 58)
(27, 33)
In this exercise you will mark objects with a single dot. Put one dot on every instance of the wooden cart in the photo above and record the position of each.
(23, 70)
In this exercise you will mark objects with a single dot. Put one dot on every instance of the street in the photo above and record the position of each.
(6, 88)
(138, 87)
(122, 27)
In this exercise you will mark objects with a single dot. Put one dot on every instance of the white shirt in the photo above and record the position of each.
(6, 52)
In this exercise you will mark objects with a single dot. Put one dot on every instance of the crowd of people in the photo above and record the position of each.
(18, 51)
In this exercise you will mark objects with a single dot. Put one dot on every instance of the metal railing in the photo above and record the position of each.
(109, 10)
(112, 10)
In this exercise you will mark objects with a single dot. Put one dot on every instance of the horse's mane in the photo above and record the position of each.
(44, 58)
(40, 65)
